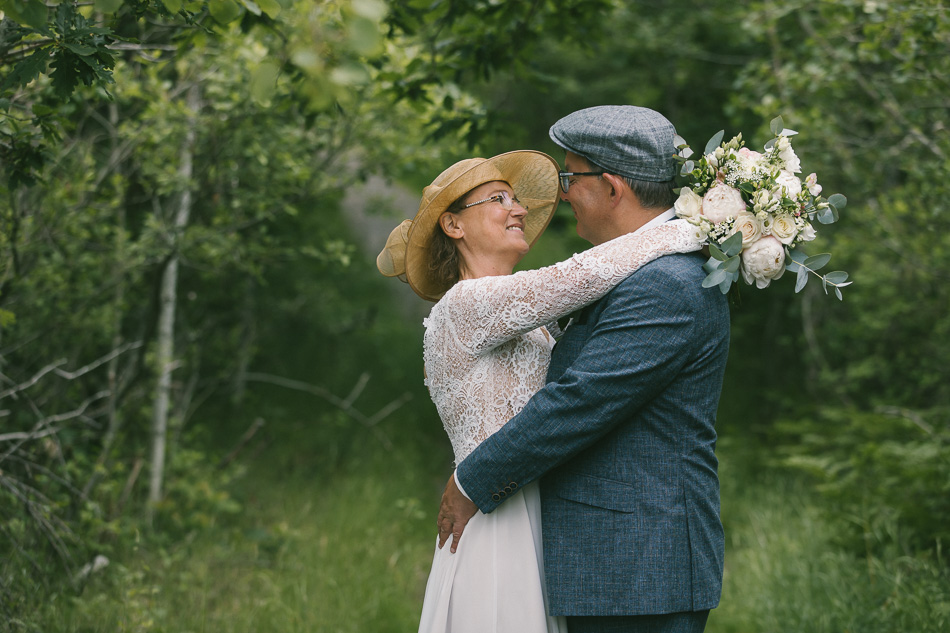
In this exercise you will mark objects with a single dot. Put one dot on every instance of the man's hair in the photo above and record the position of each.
(652, 195)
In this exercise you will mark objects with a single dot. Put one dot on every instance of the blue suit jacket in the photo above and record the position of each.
(623, 435)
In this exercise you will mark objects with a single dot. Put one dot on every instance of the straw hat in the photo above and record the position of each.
(531, 175)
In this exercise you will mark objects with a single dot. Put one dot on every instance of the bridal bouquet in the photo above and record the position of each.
(754, 213)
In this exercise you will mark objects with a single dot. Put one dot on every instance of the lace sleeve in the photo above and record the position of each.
(491, 310)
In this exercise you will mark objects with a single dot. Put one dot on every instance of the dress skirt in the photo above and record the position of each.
(494, 583)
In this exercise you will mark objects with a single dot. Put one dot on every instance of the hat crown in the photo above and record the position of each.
(627, 140)
(452, 176)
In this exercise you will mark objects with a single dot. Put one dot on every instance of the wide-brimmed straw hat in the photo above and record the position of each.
(531, 175)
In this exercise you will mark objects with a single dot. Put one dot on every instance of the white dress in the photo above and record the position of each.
(486, 353)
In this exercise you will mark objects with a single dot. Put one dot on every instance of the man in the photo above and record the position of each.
(623, 433)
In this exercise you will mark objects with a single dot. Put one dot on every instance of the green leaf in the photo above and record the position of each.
(731, 265)
(748, 187)
(264, 82)
(724, 286)
(31, 13)
(733, 245)
(173, 6)
(777, 125)
(794, 259)
(815, 262)
(838, 294)
(712, 264)
(802, 279)
(224, 11)
(827, 216)
(716, 252)
(837, 277)
(679, 142)
(714, 142)
(838, 201)
(28, 69)
(252, 6)
(108, 6)
(270, 7)
(79, 49)
(715, 278)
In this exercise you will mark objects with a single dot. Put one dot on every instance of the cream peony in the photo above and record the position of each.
(790, 183)
(784, 228)
(749, 226)
(688, 205)
(722, 202)
(763, 262)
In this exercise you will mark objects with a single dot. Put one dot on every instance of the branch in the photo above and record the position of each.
(345, 405)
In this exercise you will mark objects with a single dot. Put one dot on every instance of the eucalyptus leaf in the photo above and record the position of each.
(815, 262)
(714, 142)
(724, 286)
(731, 265)
(777, 125)
(827, 216)
(837, 277)
(733, 245)
(838, 201)
(686, 152)
(838, 294)
(715, 278)
(679, 142)
(712, 264)
(717, 253)
(801, 279)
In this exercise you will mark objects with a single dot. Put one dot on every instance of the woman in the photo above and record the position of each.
(487, 347)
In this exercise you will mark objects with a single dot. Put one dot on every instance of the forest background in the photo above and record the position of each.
(212, 414)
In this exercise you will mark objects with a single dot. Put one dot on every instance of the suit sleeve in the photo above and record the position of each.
(637, 347)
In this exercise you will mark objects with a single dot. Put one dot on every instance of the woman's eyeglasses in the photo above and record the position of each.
(505, 198)
(565, 177)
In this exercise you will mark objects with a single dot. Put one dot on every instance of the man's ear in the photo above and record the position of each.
(617, 187)
(451, 226)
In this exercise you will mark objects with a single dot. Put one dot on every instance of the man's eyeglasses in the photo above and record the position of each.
(565, 177)
(505, 198)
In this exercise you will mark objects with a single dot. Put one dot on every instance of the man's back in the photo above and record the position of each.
(631, 523)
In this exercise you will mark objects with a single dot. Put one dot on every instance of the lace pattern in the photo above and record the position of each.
(486, 349)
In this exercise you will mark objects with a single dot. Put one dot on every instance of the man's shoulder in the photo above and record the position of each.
(683, 271)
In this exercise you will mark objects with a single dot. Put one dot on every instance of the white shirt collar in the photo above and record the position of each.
(667, 215)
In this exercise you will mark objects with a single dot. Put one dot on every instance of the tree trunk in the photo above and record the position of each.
(166, 318)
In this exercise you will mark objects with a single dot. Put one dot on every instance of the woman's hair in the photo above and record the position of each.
(445, 262)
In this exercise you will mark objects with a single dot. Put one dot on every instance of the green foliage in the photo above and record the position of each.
(887, 473)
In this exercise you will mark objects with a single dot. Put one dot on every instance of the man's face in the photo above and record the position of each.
(586, 195)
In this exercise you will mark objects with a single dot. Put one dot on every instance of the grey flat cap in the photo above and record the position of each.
(627, 140)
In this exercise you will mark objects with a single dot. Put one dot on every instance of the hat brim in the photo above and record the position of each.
(533, 178)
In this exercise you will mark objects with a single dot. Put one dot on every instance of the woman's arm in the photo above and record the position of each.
(491, 310)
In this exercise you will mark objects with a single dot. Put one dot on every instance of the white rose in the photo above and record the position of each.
(722, 202)
(698, 233)
(790, 183)
(808, 233)
(689, 204)
(812, 183)
(784, 228)
(749, 226)
(763, 262)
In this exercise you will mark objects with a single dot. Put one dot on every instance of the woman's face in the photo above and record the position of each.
(489, 229)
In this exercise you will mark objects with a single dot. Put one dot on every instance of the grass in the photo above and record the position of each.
(345, 547)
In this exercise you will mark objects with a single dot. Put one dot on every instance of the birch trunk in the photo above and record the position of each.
(166, 318)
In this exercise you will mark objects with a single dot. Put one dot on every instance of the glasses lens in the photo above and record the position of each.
(565, 182)
(505, 199)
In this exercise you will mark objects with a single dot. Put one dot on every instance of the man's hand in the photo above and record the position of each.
(454, 514)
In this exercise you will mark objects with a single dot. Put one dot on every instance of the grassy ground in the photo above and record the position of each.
(346, 547)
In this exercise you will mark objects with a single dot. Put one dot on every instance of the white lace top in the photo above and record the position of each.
(486, 349)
